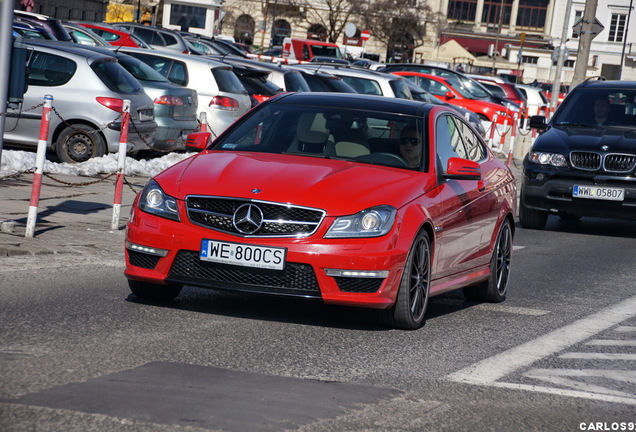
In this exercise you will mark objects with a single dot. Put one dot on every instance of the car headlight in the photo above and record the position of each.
(554, 159)
(372, 222)
(154, 201)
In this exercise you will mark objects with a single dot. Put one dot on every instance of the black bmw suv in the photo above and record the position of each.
(584, 161)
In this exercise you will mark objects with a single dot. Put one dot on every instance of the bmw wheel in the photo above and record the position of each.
(412, 300)
(531, 218)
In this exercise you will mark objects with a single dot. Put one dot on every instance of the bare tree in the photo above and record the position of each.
(333, 15)
(400, 24)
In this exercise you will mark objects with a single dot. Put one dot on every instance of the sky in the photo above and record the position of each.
(16, 161)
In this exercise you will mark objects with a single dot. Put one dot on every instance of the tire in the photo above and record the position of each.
(412, 299)
(150, 291)
(495, 288)
(79, 143)
(530, 218)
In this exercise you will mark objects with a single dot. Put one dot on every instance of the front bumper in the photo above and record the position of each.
(305, 274)
(552, 191)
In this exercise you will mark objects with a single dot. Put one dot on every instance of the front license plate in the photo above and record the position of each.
(596, 192)
(243, 254)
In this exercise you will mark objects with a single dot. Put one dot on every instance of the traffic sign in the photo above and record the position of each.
(596, 28)
(365, 35)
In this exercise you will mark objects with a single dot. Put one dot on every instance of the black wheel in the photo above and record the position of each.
(79, 143)
(410, 306)
(495, 288)
(531, 218)
(150, 291)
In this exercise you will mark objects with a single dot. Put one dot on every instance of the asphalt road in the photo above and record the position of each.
(78, 353)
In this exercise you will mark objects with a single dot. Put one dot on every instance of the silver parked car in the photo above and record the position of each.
(158, 38)
(221, 95)
(88, 89)
(175, 105)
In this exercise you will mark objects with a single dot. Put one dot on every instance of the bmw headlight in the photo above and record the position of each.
(154, 201)
(372, 222)
(543, 158)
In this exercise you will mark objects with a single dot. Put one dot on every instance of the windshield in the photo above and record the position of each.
(598, 107)
(328, 132)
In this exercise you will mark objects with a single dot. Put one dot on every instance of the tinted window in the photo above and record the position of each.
(115, 77)
(400, 89)
(579, 107)
(294, 81)
(50, 70)
(170, 39)
(140, 70)
(227, 81)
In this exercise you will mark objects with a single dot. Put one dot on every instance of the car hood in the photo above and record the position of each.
(566, 139)
(337, 186)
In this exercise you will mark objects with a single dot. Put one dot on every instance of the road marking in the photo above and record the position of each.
(495, 307)
(625, 329)
(489, 371)
(598, 356)
(611, 342)
(559, 376)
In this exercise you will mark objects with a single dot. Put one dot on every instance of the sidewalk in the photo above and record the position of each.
(70, 219)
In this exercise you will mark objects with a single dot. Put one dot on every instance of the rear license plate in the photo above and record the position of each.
(245, 255)
(596, 192)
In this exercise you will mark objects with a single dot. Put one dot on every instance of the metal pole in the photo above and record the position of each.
(585, 42)
(6, 26)
(629, 15)
(556, 84)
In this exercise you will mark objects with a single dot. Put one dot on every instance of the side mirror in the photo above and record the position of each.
(198, 141)
(537, 122)
(462, 169)
(449, 95)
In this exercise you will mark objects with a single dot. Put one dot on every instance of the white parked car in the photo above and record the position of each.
(536, 99)
(221, 95)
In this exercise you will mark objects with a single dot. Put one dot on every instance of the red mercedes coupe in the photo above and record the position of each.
(352, 199)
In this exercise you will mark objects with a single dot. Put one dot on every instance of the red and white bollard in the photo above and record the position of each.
(39, 166)
(504, 132)
(513, 137)
(203, 122)
(493, 126)
(121, 165)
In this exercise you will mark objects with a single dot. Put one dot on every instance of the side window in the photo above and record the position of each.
(178, 73)
(473, 145)
(50, 70)
(170, 39)
(448, 140)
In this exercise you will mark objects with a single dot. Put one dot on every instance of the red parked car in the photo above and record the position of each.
(450, 91)
(353, 199)
(115, 36)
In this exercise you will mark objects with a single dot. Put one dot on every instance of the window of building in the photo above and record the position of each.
(532, 14)
(529, 59)
(617, 28)
(462, 10)
(568, 63)
(577, 16)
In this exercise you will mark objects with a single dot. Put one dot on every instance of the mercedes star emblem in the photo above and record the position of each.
(248, 219)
